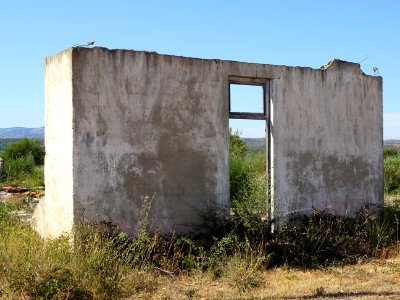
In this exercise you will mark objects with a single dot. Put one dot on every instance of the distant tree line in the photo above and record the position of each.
(5, 142)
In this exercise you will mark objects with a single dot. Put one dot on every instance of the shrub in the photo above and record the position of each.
(23, 163)
(18, 167)
(392, 174)
(390, 151)
(248, 188)
(24, 148)
(237, 145)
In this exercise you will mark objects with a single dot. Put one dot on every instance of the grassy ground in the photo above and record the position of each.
(316, 257)
(100, 267)
(377, 279)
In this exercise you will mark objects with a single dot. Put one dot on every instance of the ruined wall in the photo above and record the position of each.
(138, 126)
(327, 139)
(148, 127)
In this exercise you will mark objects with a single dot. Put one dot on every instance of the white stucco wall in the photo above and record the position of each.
(137, 124)
(148, 125)
(327, 138)
(54, 215)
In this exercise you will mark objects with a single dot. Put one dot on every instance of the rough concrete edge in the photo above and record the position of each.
(331, 65)
(338, 64)
(39, 211)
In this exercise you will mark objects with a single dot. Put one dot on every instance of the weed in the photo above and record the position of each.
(242, 270)
(190, 293)
(319, 292)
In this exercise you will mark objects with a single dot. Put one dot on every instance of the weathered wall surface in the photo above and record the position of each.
(54, 216)
(147, 125)
(138, 125)
(327, 139)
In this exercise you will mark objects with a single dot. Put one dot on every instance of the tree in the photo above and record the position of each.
(25, 148)
(237, 145)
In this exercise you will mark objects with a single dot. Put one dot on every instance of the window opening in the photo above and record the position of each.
(249, 123)
(246, 98)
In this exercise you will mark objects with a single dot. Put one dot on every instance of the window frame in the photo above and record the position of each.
(264, 83)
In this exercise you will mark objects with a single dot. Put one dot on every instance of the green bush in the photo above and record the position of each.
(25, 148)
(248, 189)
(5, 142)
(392, 172)
(237, 145)
(23, 163)
(390, 151)
(18, 167)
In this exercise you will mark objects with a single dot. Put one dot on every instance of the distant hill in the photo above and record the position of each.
(22, 132)
(391, 142)
(255, 144)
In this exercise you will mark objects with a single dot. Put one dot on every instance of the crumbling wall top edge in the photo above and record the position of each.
(333, 65)
(343, 65)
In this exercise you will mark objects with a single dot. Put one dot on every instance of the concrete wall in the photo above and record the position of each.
(148, 125)
(327, 139)
(138, 125)
(54, 215)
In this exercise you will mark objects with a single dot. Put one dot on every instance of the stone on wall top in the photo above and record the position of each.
(342, 65)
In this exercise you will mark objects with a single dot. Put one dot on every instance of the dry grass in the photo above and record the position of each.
(391, 199)
(101, 266)
(377, 279)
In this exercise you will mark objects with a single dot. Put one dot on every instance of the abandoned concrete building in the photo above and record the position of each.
(123, 127)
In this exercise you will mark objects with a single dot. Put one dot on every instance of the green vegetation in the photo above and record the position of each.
(248, 184)
(392, 170)
(23, 163)
(104, 263)
(4, 142)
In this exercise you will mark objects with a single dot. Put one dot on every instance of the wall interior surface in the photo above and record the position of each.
(149, 133)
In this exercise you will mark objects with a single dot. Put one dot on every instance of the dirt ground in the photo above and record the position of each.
(377, 279)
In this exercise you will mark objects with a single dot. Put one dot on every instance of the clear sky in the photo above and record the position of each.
(295, 33)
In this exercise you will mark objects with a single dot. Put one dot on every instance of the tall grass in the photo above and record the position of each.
(98, 266)
(103, 263)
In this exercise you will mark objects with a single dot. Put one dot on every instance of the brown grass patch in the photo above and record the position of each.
(377, 279)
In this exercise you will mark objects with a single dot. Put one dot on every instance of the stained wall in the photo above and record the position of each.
(141, 130)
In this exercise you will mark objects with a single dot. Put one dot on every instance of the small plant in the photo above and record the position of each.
(59, 283)
(243, 269)
(190, 294)
(319, 292)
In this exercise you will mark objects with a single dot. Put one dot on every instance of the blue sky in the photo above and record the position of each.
(296, 33)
